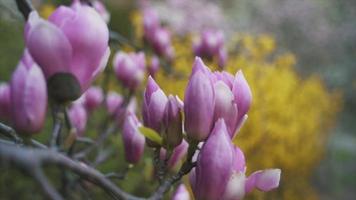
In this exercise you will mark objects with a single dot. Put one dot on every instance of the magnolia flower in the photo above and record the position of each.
(71, 48)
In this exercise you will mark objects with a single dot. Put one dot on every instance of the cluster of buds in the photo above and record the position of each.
(210, 44)
(23, 103)
(71, 48)
(157, 36)
(215, 107)
(130, 68)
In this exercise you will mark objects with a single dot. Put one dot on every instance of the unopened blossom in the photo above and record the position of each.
(28, 96)
(214, 164)
(239, 185)
(176, 156)
(78, 117)
(134, 141)
(129, 68)
(157, 36)
(93, 98)
(113, 102)
(173, 123)
(181, 193)
(71, 48)
(154, 105)
(5, 102)
(210, 44)
(199, 103)
(153, 66)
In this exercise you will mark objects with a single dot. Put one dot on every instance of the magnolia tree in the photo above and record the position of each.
(67, 52)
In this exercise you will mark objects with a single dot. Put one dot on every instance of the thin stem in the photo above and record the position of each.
(187, 166)
(58, 118)
(46, 186)
(10, 133)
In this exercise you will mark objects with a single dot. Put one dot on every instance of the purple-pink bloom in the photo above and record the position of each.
(154, 105)
(243, 96)
(181, 193)
(94, 96)
(214, 164)
(173, 123)
(153, 67)
(199, 103)
(113, 102)
(177, 155)
(28, 96)
(129, 68)
(72, 43)
(5, 102)
(134, 141)
(78, 118)
(156, 35)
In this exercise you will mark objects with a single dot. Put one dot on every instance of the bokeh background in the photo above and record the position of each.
(299, 57)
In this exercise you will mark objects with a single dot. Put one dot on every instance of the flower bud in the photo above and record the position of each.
(154, 105)
(225, 107)
(129, 68)
(71, 48)
(209, 44)
(199, 103)
(264, 180)
(177, 155)
(93, 98)
(153, 67)
(181, 193)
(113, 102)
(78, 118)
(222, 58)
(173, 133)
(5, 102)
(242, 95)
(134, 141)
(28, 97)
(214, 165)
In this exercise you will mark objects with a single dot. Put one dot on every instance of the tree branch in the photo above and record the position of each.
(33, 159)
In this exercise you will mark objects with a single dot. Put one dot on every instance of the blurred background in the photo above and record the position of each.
(299, 56)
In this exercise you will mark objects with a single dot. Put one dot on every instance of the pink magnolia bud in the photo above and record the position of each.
(150, 23)
(101, 9)
(78, 118)
(243, 96)
(113, 102)
(153, 67)
(28, 96)
(222, 58)
(154, 105)
(225, 107)
(181, 193)
(173, 133)
(238, 185)
(264, 180)
(5, 102)
(93, 98)
(214, 165)
(178, 154)
(209, 43)
(199, 103)
(71, 48)
(130, 68)
(161, 43)
(158, 37)
(134, 141)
